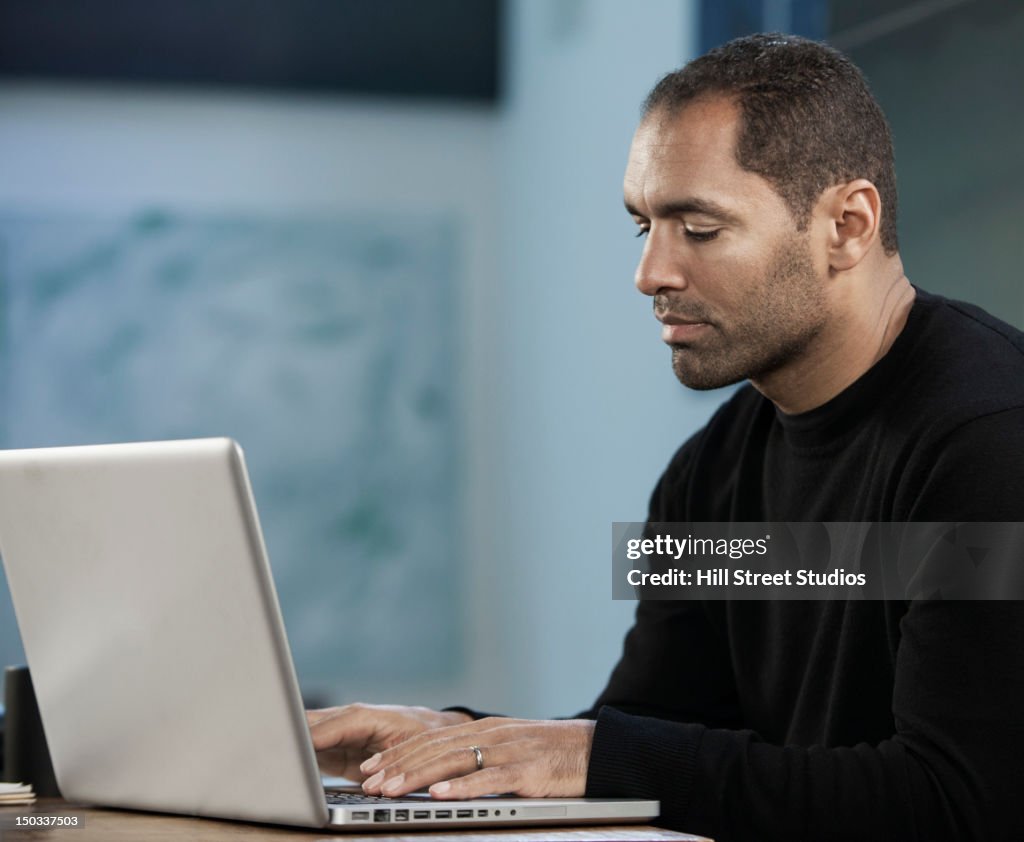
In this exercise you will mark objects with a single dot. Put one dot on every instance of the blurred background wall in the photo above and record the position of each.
(385, 250)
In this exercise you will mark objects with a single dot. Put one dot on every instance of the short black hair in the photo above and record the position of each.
(808, 118)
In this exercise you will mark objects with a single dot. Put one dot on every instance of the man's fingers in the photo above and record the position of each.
(435, 740)
(353, 725)
(456, 761)
(494, 780)
(418, 750)
(430, 763)
(314, 716)
(528, 758)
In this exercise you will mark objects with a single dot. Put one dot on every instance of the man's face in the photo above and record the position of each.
(733, 280)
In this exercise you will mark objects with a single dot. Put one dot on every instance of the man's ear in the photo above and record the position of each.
(854, 212)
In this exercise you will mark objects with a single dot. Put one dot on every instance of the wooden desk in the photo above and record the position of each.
(100, 825)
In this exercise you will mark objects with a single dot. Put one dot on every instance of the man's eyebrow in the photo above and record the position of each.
(705, 207)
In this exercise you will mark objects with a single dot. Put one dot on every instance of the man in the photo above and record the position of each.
(762, 178)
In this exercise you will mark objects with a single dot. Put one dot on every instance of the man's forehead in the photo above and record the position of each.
(712, 113)
(688, 151)
(702, 130)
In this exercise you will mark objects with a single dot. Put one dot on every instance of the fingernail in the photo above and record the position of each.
(370, 764)
(393, 785)
(441, 788)
(370, 783)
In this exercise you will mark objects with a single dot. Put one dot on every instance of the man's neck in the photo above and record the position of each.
(859, 332)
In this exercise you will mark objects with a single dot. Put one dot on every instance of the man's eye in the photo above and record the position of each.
(642, 232)
(702, 236)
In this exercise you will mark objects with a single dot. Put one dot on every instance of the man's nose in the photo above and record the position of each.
(659, 268)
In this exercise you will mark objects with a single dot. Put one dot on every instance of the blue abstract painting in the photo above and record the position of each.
(324, 344)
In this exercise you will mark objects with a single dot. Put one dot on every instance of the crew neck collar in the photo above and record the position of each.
(829, 423)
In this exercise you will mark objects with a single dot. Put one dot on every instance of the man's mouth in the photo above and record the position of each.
(678, 330)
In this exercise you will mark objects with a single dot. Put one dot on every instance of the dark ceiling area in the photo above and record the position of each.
(441, 49)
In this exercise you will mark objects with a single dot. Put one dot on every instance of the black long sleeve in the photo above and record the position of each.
(951, 768)
(839, 720)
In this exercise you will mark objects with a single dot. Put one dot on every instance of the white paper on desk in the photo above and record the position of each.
(13, 794)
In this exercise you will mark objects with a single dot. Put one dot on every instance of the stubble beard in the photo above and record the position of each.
(780, 320)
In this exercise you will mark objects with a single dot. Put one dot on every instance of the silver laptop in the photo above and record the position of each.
(151, 625)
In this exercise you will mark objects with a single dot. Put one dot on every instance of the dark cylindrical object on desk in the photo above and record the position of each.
(26, 755)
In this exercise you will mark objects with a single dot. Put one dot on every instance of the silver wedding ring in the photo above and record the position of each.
(479, 757)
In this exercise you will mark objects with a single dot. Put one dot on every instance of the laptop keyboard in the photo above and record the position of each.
(342, 798)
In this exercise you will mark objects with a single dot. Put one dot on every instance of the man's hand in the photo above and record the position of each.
(345, 736)
(521, 756)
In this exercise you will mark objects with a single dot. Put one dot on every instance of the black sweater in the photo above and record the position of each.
(839, 720)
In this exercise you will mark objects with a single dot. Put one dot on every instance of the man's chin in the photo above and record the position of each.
(702, 376)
